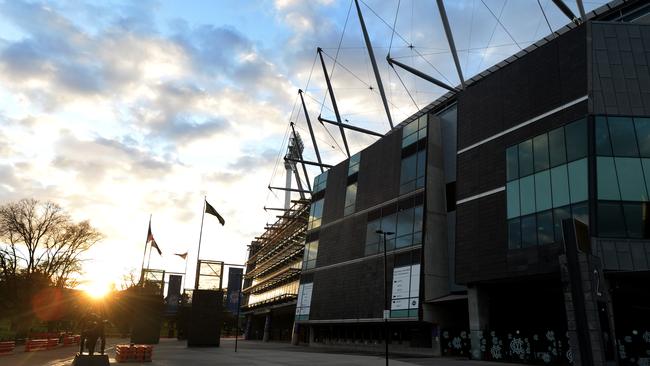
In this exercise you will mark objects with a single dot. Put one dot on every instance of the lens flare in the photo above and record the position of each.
(97, 290)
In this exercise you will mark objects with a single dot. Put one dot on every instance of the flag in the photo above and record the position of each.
(152, 240)
(183, 255)
(149, 233)
(155, 245)
(210, 210)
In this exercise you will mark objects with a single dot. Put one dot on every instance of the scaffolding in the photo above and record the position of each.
(275, 258)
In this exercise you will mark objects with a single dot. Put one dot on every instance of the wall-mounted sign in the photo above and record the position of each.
(406, 288)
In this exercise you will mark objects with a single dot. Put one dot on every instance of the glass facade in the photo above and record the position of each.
(350, 198)
(315, 214)
(547, 181)
(406, 223)
(311, 252)
(353, 164)
(320, 182)
(414, 131)
(412, 172)
(622, 176)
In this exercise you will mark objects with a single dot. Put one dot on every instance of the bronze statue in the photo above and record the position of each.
(93, 329)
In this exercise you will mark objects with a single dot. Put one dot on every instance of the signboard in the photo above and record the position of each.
(406, 288)
(234, 288)
(174, 288)
(304, 300)
(173, 293)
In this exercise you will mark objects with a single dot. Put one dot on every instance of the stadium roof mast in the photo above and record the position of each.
(371, 54)
(350, 127)
(452, 46)
(333, 98)
(311, 131)
(450, 40)
(569, 14)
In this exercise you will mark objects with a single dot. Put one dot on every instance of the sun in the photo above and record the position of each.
(97, 289)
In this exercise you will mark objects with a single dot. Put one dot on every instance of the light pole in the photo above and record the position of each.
(386, 306)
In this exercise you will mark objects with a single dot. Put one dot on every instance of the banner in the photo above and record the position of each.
(235, 276)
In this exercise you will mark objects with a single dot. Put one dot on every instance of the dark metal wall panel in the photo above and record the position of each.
(335, 192)
(620, 69)
(349, 292)
(379, 171)
(342, 241)
(546, 78)
(481, 251)
(356, 290)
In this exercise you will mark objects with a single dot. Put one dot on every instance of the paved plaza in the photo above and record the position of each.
(171, 352)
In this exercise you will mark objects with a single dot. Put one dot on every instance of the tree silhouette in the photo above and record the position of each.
(40, 247)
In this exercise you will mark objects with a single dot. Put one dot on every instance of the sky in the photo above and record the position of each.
(118, 110)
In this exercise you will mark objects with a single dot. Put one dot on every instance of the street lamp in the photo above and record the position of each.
(386, 305)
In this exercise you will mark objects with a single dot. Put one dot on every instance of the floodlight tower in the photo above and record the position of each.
(294, 153)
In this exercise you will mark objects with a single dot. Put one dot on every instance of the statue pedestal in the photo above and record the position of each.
(88, 360)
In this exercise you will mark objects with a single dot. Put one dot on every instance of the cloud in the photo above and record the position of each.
(102, 158)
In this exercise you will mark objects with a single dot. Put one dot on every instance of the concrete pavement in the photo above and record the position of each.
(171, 352)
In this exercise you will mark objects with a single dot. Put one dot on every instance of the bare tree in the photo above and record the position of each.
(40, 247)
(41, 238)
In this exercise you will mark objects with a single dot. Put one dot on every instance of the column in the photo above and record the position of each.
(478, 308)
(295, 334)
(267, 328)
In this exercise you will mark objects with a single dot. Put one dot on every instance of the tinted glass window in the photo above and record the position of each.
(404, 228)
(528, 231)
(540, 152)
(525, 158)
(578, 187)
(372, 238)
(350, 198)
(543, 191)
(610, 220)
(514, 233)
(417, 224)
(576, 140)
(621, 132)
(388, 224)
(527, 195)
(512, 163)
(512, 191)
(315, 214)
(607, 183)
(630, 179)
(421, 164)
(580, 212)
(545, 227)
(645, 163)
(557, 147)
(560, 214)
(353, 164)
(643, 135)
(560, 186)
(634, 219)
(603, 144)
(408, 168)
(320, 182)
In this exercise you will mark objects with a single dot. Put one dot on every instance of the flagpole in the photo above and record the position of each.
(185, 274)
(198, 252)
(149, 260)
(237, 319)
(145, 250)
